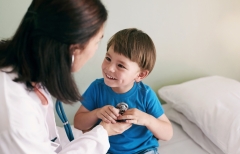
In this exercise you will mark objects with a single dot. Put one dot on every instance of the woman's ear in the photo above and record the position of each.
(143, 74)
(74, 48)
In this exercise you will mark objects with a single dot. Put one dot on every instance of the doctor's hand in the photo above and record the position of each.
(135, 116)
(116, 128)
(108, 114)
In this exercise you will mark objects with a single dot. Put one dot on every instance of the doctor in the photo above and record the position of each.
(55, 38)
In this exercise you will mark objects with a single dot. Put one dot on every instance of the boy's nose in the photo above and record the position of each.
(111, 68)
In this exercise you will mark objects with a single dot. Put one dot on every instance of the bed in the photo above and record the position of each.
(205, 115)
(181, 142)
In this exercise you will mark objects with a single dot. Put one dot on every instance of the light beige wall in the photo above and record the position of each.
(11, 13)
(193, 38)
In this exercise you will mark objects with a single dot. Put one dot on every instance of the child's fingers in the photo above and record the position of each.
(131, 121)
(114, 111)
(125, 117)
(108, 114)
(105, 120)
(108, 117)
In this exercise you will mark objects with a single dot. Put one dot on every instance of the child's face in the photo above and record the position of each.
(119, 72)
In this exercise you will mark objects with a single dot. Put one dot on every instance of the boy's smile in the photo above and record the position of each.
(109, 77)
(119, 72)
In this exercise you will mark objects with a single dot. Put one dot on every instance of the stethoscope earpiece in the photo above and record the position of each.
(72, 59)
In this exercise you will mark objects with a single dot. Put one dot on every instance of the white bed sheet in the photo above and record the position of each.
(180, 143)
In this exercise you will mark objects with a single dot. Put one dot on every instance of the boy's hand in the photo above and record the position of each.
(117, 128)
(135, 116)
(108, 114)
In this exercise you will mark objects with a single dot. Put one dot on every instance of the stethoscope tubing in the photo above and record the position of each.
(63, 118)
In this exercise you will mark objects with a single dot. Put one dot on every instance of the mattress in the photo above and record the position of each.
(180, 142)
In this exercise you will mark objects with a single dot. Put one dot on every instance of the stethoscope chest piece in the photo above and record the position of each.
(122, 108)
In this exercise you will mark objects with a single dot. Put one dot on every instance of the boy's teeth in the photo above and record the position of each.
(110, 77)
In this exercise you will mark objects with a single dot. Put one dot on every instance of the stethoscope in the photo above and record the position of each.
(62, 116)
(60, 111)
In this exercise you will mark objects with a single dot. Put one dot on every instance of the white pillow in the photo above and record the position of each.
(213, 104)
(193, 131)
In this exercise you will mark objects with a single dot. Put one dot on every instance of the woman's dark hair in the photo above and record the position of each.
(40, 49)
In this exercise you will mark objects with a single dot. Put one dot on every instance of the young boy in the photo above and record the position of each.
(129, 59)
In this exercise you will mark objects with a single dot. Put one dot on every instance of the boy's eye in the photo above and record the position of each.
(108, 59)
(121, 66)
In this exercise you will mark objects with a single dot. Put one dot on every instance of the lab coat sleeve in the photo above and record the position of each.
(93, 142)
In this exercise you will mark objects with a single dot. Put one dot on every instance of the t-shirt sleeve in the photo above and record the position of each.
(153, 105)
(90, 97)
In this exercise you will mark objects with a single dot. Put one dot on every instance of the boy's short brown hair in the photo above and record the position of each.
(135, 45)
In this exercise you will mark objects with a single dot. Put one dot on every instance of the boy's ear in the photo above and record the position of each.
(143, 74)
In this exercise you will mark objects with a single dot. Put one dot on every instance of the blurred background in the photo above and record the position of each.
(193, 38)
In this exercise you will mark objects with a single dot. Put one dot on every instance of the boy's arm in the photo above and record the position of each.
(85, 119)
(161, 127)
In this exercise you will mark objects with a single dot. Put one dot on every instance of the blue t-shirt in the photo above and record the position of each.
(140, 96)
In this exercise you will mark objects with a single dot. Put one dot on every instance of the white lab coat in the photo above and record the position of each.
(27, 126)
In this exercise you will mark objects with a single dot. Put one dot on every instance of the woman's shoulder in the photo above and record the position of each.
(16, 104)
(7, 72)
(10, 86)
(14, 92)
